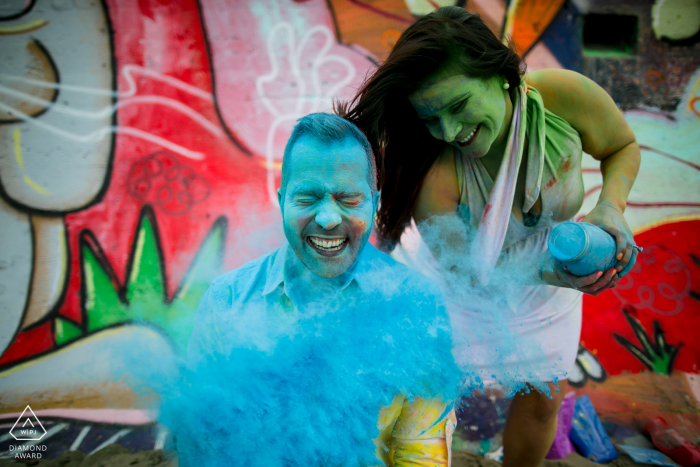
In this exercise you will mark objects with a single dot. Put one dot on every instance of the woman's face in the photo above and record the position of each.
(468, 113)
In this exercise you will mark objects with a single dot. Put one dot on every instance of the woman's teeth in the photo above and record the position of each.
(469, 136)
(328, 244)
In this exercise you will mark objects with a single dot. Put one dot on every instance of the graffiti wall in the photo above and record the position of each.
(141, 144)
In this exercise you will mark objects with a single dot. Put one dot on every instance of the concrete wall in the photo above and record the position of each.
(140, 142)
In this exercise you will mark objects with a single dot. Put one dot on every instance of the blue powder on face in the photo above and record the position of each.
(313, 396)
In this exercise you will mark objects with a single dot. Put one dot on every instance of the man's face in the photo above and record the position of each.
(328, 206)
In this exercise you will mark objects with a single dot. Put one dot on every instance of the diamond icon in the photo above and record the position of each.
(28, 427)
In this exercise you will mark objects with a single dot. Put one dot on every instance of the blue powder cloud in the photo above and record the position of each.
(310, 394)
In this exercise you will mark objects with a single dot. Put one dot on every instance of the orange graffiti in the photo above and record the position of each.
(371, 24)
(692, 105)
(654, 78)
(527, 19)
(389, 38)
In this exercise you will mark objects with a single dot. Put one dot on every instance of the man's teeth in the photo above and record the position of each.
(330, 244)
(469, 136)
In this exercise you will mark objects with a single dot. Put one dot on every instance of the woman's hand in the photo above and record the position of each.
(593, 284)
(609, 218)
(607, 137)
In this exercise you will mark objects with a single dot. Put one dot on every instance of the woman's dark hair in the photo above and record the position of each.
(405, 150)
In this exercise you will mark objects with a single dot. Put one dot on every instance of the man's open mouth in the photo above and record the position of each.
(327, 246)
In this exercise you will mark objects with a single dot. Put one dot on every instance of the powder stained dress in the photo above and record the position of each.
(504, 332)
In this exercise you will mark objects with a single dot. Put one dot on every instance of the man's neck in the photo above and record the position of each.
(307, 287)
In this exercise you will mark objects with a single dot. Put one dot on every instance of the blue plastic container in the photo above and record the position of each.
(588, 434)
(581, 248)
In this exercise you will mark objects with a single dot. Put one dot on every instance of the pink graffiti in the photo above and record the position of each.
(160, 180)
(659, 282)
(274, 62)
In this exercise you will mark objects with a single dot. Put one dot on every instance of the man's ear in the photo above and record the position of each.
(279, 198)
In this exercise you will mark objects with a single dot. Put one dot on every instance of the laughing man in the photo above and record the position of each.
(331, 353)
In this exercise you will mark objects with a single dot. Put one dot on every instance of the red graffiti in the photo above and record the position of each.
(664, 286)
(160, 180)
(658, 282)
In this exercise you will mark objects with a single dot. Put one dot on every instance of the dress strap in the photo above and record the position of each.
(491, 233)
(459, 168)
(536, 148)
(475, 184)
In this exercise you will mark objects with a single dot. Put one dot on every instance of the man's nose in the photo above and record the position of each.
(328, 216)
(450, 129)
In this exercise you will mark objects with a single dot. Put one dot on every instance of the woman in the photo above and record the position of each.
(485, 159)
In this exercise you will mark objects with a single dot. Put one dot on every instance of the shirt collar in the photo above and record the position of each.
(275, 275)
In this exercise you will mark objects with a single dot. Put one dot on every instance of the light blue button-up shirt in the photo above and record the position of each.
(313, 370)
(257, 303)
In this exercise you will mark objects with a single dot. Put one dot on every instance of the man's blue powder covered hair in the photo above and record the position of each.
(327, 128)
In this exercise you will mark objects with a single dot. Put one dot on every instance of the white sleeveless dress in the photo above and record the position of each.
(506, 333)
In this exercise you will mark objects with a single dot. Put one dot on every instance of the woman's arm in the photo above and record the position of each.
(606, 136)
(435, 214)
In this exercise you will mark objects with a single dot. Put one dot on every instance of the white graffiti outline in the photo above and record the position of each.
(99, 134)
(127, 73)
(165, 101)
(315, 100)
(126, 98)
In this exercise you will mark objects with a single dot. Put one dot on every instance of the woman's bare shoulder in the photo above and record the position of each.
(558, 87)
(551, 77)
(439, 192)
(587, 108)
(564, 92)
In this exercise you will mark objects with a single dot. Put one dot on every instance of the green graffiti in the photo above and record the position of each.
(655, 353)
(65, 331)
(144, 298)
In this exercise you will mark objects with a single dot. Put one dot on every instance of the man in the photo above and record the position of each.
(325, 351)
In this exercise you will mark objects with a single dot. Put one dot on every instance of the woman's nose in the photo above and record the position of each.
(328, 216)
(450, 130)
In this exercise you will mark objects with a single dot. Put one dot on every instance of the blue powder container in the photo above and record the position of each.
(581, 248)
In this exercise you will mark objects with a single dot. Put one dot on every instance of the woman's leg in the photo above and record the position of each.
(531, 425)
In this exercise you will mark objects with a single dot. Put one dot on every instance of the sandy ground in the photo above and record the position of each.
(118, 456)
(465, 459)
(111, 456)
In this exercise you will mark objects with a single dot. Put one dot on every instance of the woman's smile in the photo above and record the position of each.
(465, 112)
(471, 137)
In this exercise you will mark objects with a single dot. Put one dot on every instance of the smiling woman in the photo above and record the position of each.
(382, 110)
(468, 113)
(486, 160)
